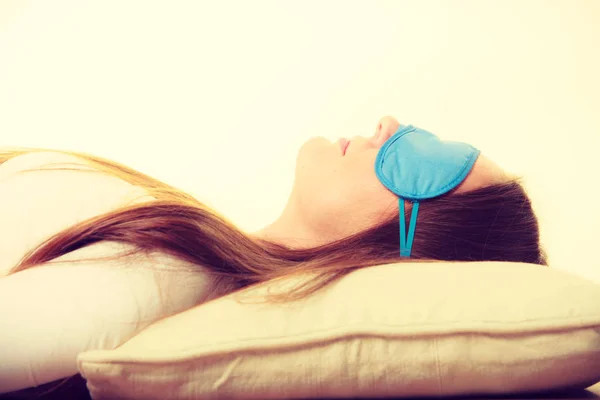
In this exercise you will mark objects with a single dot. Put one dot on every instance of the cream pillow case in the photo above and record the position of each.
(408, 329)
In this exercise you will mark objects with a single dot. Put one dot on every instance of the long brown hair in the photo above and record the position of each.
(495, 223)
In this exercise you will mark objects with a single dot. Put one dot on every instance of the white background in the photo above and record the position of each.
(216, 97)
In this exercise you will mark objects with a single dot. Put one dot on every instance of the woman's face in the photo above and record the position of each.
(338, 194)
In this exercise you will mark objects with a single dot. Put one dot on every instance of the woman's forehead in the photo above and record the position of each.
(485, 172)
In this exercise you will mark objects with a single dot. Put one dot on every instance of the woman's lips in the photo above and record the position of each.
(343, 142)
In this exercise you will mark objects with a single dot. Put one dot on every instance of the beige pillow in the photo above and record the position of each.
(410, 329)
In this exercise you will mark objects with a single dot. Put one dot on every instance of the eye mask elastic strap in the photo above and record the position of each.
(406, 245)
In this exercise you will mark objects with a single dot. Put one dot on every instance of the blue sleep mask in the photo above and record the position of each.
(416, 165)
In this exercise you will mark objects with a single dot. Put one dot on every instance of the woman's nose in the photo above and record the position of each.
(386, 127)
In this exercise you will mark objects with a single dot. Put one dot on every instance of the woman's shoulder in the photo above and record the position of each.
(43, 193)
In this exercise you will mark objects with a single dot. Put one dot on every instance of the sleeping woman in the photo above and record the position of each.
(92, 251)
